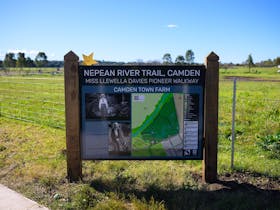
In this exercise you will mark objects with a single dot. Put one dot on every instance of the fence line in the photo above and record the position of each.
(255, 110)
(233, 123)
(27, 99)
(30, 106)
(264, 99)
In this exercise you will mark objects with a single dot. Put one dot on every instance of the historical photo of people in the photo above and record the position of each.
(100, 106)
(119, 138)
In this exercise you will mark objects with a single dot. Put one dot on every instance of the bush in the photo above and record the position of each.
(152, 204)
(86, 198)
(270, 143)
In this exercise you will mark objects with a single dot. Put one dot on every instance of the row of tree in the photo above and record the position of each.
(180, 59)
(20, 61)
(41, 60)
(267, 63)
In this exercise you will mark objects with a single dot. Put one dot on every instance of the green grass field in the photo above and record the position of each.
(255, 72)
(257, 115)
(32, 154)
(37, 99)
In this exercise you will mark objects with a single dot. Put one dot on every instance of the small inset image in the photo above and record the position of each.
(194, 152)
(102, 106)
(119, 138)
(187, 152)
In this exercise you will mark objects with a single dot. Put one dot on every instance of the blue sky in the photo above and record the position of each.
(128, 30)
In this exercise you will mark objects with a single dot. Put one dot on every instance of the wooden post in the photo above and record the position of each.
(209, 173)
(72, 116)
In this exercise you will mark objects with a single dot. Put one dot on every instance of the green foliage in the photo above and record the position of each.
(250, 62)
(2, 148)
(112, 201)
(29, 62)
(111, 204)
(167, 58)
(180, 60)
(41, 59)
(152, 204)
(189, 57)
(277, 61)
(48, 182)
(268, 62)
(21, 60)
(9, 60)
(270, 143)
(85, 198)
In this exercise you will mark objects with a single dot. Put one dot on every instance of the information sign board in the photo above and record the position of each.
(141, 112)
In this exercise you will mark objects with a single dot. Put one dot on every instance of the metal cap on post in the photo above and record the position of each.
(72, 116)
(211, 118)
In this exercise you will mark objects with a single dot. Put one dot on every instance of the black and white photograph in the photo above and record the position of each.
(101, 106)
(119, 138)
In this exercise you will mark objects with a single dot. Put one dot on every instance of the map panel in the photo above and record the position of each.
(158, 127)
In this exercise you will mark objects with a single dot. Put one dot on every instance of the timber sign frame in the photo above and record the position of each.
(141, 112)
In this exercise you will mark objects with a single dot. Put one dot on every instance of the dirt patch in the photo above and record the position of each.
(245, 182)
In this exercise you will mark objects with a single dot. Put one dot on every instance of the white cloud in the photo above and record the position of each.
(172, 26)
(52, 55)
(33, 52)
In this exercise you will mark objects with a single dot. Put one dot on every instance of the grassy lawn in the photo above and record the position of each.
(255, 72)
(37, 99)
(257, 116)
(33, 161)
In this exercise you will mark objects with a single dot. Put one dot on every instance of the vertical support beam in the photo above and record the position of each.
(72, 116)
(209, 173)
(233, 124)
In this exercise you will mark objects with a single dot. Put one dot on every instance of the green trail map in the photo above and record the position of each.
(155, 126)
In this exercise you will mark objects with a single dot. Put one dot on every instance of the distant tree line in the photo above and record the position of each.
(269, 62)
(250, 63)
(180, 59)
(41, 60)
(20, 61)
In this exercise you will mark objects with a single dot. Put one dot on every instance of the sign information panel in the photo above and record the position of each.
(141, 112)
